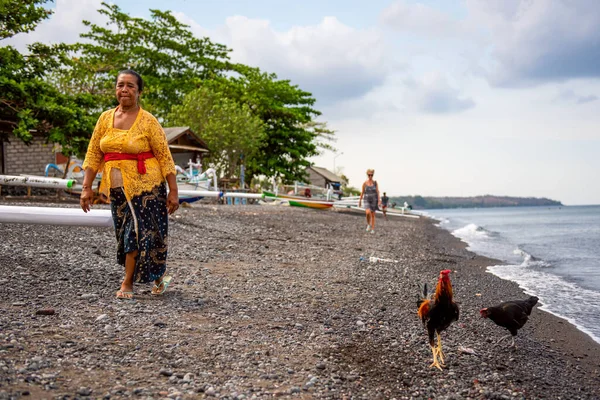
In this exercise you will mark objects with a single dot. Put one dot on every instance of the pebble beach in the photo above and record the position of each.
(269, 302)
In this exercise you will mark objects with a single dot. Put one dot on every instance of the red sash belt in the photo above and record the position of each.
(140, 157)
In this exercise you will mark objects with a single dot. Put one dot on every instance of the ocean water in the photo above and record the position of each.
(551, 252)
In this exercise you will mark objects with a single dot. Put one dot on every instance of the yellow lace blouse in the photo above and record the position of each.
(145, 134)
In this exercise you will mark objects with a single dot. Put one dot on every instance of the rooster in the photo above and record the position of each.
(437, 314)
(511, 315)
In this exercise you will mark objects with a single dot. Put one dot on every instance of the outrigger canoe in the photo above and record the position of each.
(298, 201)
(321, 205)
(284, 196)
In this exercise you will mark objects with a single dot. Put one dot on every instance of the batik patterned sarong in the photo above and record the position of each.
(142, 224)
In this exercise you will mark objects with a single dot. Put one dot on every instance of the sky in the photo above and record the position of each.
(440, 97)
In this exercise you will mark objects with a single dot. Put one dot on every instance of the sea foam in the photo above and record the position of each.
(471, 232)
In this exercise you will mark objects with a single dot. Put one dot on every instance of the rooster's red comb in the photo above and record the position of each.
(445, 272)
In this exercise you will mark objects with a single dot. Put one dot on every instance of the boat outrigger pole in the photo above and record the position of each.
(218, 194)
(37, 181)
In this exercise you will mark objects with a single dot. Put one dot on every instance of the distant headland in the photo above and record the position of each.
(422, 202)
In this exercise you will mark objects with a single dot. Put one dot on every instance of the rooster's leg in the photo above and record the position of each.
(435, 360)
(502, 338)
(439, 348)
(513, 342)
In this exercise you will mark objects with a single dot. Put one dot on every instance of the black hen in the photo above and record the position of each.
(511, 315)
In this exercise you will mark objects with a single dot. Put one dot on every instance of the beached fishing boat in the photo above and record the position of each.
(299, 201)
(320, 205)
(195, 182)
(55, 216)
(283, 196)
(74, 173)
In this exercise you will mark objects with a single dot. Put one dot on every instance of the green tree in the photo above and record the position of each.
(229, 129)
(419, 201)
(286, 111)
(21, 16)
(172, 61)
(28, 102)
(324, 137)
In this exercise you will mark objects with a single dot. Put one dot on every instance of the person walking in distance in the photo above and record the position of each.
(384, 204)
(370, 193)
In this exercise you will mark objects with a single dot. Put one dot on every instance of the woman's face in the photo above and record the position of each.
(370, 175)
(127, 90)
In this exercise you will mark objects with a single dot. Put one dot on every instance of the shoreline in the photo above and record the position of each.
(548, 284)
(547, 310)
(271, 302)
(566, 338)
(567, 320)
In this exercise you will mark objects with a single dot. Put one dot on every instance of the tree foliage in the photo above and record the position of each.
(172, 61)
(286, 112)
(230, 130)
(21, 16)
(28, 102)
(324, 137)
(421, 202)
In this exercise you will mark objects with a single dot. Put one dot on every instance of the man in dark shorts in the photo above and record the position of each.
(384, 204)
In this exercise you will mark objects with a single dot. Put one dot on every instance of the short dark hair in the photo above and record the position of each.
(140, 81)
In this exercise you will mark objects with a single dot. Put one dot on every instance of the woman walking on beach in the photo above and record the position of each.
(130, 148)
(370, 192)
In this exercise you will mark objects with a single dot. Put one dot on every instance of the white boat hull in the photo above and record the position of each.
(55, 216)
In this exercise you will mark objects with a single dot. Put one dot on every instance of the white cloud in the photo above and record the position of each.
(64, 26)
(331, 60)
(195, 27)
(402, 95)
(417, 18)
(571, 96)
(364, 108)
(436, 96)
(535, 41)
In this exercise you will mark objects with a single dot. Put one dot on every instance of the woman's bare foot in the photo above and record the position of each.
(126, 287)
(126, 291)
(124, 294)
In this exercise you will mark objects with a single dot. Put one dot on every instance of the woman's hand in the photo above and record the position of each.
(86, 198)
(172, 201)
(173, 196)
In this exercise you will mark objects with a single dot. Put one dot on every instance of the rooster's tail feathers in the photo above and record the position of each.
(423, 302)
(424, 310)
(422, 294)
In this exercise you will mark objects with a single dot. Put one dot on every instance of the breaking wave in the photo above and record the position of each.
(471, 232)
